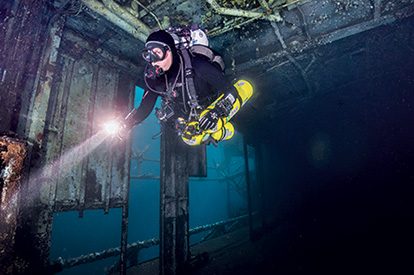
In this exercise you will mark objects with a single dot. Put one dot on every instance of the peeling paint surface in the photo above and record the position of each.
(87, 99)
(12, 157)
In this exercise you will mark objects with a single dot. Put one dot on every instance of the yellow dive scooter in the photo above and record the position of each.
(224, 130)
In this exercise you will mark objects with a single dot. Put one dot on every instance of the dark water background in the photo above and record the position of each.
(341, 168)
(338, 173)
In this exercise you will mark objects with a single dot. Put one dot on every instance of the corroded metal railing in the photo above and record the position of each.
(92, 257)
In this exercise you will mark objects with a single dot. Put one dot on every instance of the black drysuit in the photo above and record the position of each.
(209, 82)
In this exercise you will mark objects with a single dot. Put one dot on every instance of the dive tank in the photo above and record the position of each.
(244, 90)
(193, 136)
(224, 130)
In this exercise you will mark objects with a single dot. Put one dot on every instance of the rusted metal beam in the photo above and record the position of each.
(377, 9)
(30, 50)
(206, 227)
(22, 37)
(197, 161)
(174, 226)
(248, 187)
(325, 39)
(260, 180)
(13, 157)
(96, 256)
(46, 73)
(244, 13)
(151, 7)
(124, 100)
(119, 17)
(92, 257)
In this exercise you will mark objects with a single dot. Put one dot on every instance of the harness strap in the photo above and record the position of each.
(189, 76)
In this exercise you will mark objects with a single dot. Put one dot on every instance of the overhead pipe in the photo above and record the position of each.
(151, 6)
(264, 4)
(127, 16)
(377, 9)
(132, 25)
(151, 13)
(243, 13)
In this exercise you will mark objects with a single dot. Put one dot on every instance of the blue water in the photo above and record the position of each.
(211, 200)
(338, 170)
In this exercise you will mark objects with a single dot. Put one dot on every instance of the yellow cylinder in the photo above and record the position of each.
(224, 130)
(245, 92)
(225, 133)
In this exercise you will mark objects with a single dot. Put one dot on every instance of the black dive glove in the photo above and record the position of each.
(126, 125)
(123, 132)
(221, 110)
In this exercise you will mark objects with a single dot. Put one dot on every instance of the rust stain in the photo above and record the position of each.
(93, 190)
(12, 157)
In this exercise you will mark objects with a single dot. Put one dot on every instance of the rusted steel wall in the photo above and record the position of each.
(25, 46)
(55, 89)
(13, 156)
(93, 88)
(23, 32)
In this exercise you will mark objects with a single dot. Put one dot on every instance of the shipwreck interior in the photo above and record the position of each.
(319, 178)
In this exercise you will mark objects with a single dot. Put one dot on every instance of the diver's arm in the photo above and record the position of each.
(139, 114)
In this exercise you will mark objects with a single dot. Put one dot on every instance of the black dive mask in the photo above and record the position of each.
(155, 51)
(153, 72)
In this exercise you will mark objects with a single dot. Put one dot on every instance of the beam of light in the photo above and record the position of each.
(48, 176)
(112, 127)
(74, 156)
(63, 165)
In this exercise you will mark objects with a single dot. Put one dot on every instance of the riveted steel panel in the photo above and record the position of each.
(99, 171)
(75, 131)
(91, 168)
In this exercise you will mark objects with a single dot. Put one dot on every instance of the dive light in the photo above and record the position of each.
(112, 127)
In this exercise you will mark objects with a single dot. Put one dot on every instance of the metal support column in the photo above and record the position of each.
(248, 187)
(124, 240)
(174, 227)
(260, 181)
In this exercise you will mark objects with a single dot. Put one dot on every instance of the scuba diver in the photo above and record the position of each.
(198, 101)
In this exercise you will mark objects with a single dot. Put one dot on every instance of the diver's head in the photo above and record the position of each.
(160, 50)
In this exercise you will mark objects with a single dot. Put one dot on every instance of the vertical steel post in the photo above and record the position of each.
(197, 161)
(125, 88)
(260, 181)
(228, 197)
(124, 240)
(125, 215)
(174, 227)
(248, 186)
